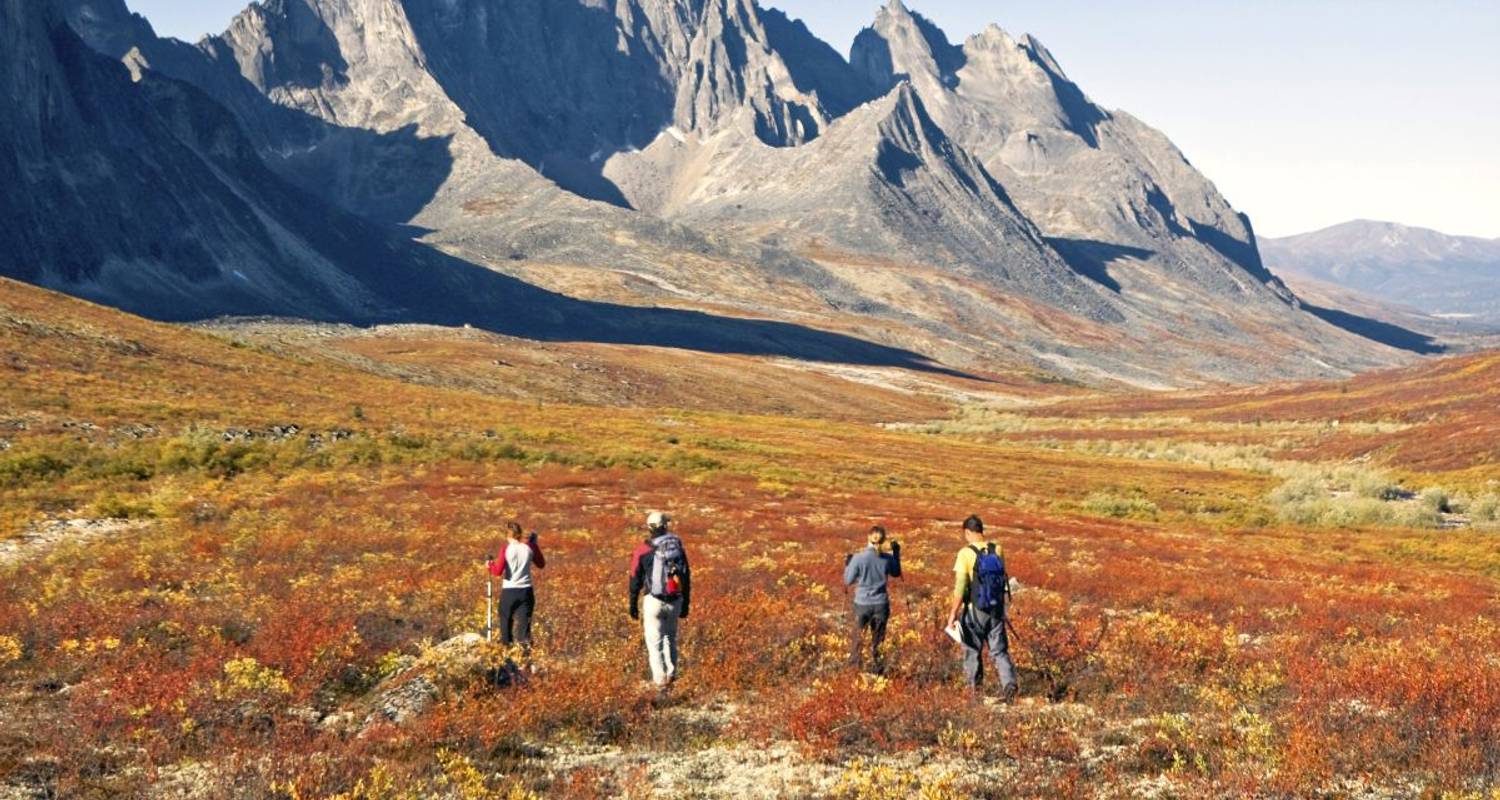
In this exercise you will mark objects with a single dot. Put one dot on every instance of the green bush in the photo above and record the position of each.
(1375, 485)
(21, 470)
(1298, 490)
(1435, 500)
(1357, 512)
(1106, 504)
(113, 506)
(1485, 510)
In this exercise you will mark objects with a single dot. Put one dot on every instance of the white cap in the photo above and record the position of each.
(657, 519)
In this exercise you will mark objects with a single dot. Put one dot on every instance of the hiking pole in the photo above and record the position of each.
(489, 600)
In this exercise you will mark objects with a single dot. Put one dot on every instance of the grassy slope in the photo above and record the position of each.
(1251, 660)
(1449, 408)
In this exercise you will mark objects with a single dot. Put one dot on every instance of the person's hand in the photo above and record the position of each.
(531, 538)
(683, 615)
(847, 558)
(896, 548)
(635, 614)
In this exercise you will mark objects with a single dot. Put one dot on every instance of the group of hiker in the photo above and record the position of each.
(661, 587)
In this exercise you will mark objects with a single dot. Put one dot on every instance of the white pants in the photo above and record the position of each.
(659, 619)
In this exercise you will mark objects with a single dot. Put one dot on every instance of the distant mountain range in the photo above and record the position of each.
(700, 173)
(1454, 277)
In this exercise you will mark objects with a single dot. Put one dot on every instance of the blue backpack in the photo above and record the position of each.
(991, 583)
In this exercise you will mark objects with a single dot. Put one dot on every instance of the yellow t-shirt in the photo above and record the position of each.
(963, 569)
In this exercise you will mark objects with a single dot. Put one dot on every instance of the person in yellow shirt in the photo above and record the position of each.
(980, 588)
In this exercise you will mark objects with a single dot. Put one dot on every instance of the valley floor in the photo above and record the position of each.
(243, 563)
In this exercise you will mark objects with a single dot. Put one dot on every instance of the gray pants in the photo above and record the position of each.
(659, 619)
(980, 630)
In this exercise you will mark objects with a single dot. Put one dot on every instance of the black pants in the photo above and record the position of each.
(874, 618)
(516, 606)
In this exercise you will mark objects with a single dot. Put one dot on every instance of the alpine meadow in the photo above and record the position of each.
(644, 398)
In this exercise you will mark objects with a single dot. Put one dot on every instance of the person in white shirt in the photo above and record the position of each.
(517, 595)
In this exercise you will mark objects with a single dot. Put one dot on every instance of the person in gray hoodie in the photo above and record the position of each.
(869, 571)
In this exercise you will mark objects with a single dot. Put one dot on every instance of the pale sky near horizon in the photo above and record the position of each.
(1306, 113)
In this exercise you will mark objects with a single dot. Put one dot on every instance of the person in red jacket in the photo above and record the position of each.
(517, 594)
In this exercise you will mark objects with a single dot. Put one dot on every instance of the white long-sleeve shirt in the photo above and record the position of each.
(515, 563)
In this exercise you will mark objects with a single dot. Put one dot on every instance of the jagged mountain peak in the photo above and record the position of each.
(721, 128)
(733, 71)
(902, 43)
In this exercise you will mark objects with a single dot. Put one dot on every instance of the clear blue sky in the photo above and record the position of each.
(1305, 112)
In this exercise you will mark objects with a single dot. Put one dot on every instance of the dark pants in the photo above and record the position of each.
(516, 606)
(874, 618)
(981, 630)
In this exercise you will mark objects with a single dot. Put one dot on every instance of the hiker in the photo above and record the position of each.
(980, 587)
(517, 596)
(659, 570)
(868, 572)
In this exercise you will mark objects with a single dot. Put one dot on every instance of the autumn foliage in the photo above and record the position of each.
(265, 587)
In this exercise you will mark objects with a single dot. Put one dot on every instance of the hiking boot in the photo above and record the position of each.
(1008, 695)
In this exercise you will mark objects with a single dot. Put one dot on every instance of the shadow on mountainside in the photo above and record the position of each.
(424, 285)
(1377, 331)
(561, 104)
(387, 176)
(505, 305)
(1092, 259)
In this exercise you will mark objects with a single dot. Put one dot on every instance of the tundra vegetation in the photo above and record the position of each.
(1220, 596)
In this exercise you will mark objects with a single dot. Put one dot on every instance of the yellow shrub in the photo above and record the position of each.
(243, 676)
(864, 780)
(10, 650)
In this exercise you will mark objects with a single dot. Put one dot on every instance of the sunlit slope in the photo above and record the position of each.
(1447, 411)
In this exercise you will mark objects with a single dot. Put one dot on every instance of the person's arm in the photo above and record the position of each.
(537, 559)
(894, 570)
(636, 574)
(498, 566)
(960, 590)
(851, 571)
(687, 586)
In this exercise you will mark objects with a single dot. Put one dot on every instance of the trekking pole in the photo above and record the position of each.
(489, 601)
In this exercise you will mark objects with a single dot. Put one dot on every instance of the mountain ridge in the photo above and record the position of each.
(1449, 276)
(735, 162)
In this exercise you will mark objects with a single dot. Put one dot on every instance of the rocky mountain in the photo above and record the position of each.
(144, 194)
(1457, 277)
(968, 202)
(1101, 184)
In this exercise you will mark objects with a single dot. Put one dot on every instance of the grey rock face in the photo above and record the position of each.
(1095, 181)
(883, 181)
(742, 162)
(145, 194)
(1453, 276)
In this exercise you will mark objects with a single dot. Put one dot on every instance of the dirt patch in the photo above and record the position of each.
(39, 539)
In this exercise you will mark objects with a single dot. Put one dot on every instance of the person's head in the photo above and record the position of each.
(657, 522)
(876, 536)
(513, 530)
(974, 528)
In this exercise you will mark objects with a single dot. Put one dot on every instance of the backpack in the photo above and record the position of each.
(668, 567)
(991, 583)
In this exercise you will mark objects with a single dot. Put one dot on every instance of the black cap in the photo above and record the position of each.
(974, 524)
